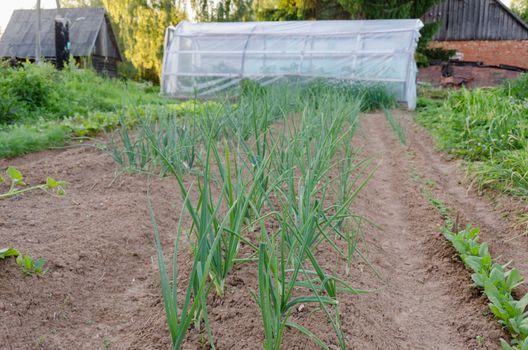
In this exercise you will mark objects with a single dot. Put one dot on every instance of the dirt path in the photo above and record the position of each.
(428, 297)
(102, 289)
(496, 216)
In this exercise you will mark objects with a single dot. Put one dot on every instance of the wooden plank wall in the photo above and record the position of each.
(475, 20)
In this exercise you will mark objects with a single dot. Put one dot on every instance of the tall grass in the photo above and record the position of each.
(489, 128)
(517, 88)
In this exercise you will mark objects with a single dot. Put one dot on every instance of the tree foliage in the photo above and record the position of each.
(354, 9)
(223, 10)
(349, 9)
(520, 7)
(140, 26)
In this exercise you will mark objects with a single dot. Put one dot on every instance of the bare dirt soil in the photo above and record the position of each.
(101, 290)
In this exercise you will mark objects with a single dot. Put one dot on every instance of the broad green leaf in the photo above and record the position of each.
(51, 183)
(478, 279)
(505, 345)
(39, 264)
(523, 302)
(484, 250)
(2, 180)
(514, 278)
(474, 263)
(14, 174)
(7, 252)
(524, 345)
(513, 325)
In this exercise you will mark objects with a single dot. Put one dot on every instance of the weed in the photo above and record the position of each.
(18, 186)
(31, 266)
(489, 128)
(23, 139)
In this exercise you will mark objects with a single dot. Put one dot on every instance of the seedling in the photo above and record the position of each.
(480, 340)
(30, 266)
(8, 252)
(18, 186)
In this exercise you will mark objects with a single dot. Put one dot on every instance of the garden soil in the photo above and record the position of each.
(101, 288)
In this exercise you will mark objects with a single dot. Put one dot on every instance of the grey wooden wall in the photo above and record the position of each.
(476, 20)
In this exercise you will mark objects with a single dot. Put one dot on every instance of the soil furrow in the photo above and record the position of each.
(102, 287)
(495, 216)
(427, 292)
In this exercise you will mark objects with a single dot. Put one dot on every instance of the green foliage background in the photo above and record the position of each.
(140, 27)
(520, 7)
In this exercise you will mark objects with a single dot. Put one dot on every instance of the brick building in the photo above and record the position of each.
(482, 30)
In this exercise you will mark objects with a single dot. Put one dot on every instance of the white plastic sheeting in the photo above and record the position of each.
(210, 59)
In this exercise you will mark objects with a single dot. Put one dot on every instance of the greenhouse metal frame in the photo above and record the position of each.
(209, 60)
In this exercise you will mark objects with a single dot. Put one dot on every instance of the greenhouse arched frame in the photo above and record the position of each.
(209, 60)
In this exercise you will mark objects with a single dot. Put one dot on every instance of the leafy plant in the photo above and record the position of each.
(8, 252)
(31, 266)
(496, 282)
(18, 186)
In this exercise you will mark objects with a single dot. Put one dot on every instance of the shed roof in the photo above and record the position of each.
(19, 39)
(476, 20)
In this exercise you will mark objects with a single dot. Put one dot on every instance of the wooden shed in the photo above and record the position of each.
(92, 38)
(482, 30)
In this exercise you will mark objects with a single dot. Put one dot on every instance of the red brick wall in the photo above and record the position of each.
(511, 52)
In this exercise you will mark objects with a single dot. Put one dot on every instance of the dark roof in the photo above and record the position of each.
(19, 39)
(476, 20)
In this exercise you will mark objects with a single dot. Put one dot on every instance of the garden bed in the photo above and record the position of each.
(102, 289)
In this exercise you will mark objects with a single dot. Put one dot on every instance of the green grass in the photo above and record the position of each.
(41, 91)
(488, 128)
(23, 139)
(41, 107)
(517, 88)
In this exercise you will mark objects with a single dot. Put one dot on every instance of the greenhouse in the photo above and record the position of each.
(209, 60)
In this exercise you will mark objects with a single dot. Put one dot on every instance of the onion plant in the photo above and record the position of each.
(396, 126)
(261, 172)
(139, 150)
(179, 318)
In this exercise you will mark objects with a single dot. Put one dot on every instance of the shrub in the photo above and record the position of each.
(40, 91)
(439, 54)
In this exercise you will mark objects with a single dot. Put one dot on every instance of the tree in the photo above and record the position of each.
(140, 26)
(520, 7)
(355, 9)
(291, 10)
(223, 10)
